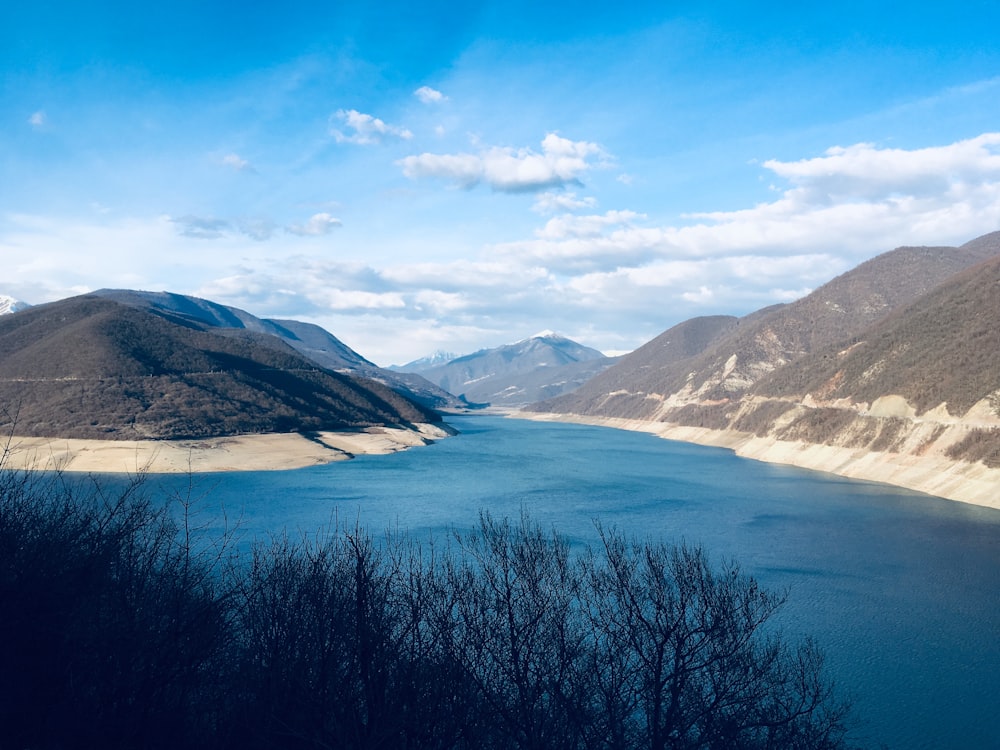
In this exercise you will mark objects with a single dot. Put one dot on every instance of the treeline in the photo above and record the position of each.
(123, 627)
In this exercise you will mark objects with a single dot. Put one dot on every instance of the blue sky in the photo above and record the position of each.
(453, 176)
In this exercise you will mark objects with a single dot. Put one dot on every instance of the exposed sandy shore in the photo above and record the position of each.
(269, 452)
(972, 483)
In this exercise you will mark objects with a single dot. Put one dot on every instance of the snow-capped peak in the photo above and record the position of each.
(11, 305)
(546, 334)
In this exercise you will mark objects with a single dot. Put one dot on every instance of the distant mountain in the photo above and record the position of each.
(889, 372)
(538, 367)
(92, 367)
(642, 372)
(436, 359)
(10, 305)
(308, 339)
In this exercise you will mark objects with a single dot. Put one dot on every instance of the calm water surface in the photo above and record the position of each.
(901, 590)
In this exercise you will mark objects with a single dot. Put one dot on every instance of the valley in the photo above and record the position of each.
(887, 373)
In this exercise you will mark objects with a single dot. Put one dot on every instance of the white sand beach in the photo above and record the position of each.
(269, 452)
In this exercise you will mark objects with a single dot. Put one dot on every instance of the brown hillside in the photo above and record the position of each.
(768, 340)
(643, 371)
(842, 307)
(93, 368)
(307, 339)
(942, 348)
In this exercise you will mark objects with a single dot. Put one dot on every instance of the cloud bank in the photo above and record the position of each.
(560, 162)
(318, 225)
(612, 278)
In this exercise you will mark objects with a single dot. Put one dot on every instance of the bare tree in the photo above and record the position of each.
(121, 627)
(686, 657)
(518, 633)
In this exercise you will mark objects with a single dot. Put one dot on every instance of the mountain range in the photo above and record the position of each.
(899, 357)
(536, 368)
(96, 367)
(890, 371)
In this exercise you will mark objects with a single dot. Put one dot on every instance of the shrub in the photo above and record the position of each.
(125, 628)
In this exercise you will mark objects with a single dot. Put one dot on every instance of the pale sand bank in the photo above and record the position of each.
(972, 483)
(270, 452)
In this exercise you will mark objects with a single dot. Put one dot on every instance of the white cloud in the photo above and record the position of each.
(850, 203)
(463, 275)
(260, 229)
(550, 203)
(237, 162)
(427, 95)
(465, 170)
(352, 299)
(318, 225)
(257, 229)
(561, 162)
(43, 255)
(862, 197)
(680, 289)
(570, 225)
(438, 303)
(366, 129)
(869, 172)
(38, 119)
(618, 276)
(701, 296)
(573, 244)
(201, 227)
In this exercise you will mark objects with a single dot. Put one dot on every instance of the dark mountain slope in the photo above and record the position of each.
(944, 348)
(310, 340)
(840, 308)
(768, 340)
(91, 367)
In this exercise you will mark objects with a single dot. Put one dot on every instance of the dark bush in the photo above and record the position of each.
(712, 416)
(124, 628)
(978, 445)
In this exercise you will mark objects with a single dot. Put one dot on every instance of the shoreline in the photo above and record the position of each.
(265, 452)
(972, 483)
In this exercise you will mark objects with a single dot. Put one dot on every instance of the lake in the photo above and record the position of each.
(900, 589)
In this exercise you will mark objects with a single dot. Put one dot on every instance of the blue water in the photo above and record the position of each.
(901, 590)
